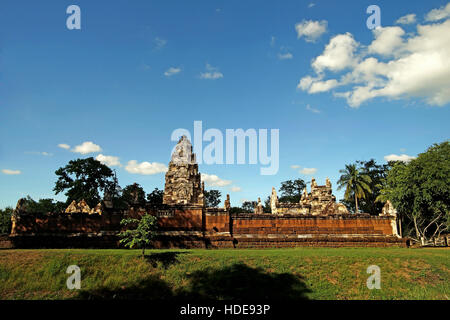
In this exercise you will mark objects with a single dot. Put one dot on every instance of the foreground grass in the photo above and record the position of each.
(300, 273)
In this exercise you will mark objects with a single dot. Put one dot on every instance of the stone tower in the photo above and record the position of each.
(183, 182)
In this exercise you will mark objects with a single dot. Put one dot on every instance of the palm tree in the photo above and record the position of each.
(354, 182)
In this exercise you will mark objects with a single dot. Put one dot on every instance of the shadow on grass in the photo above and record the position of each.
(235, 282)
(166, 258)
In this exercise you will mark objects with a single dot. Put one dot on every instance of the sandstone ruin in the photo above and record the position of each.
(185, 222)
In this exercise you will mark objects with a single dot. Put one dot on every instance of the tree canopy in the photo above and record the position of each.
(139, 233)
(291, 190)
(355, 182)
(212, 198)
(420, 191)
(84, 179)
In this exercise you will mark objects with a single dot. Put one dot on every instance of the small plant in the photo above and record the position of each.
(141, 235)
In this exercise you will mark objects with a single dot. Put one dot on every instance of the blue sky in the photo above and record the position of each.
(110, 84)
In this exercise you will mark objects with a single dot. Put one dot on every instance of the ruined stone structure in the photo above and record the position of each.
(185, 222)
(320, 201)
(183, 184)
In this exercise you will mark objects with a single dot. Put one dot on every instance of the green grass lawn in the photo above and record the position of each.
(300, 273)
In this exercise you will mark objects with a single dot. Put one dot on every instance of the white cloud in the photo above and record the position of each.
(311, 5)
(47, 154)
(145, 168)
(438, 14)
(87, 147)
(214, 181)
(212, 73)
(308, 171)
(402, 157)
(285, 56)
(11, 172)
(387, 40)
(309, 108)
(418, 66)
(110, 161)
(171, 71)
(272, 41)
(407, 19)
(295, 166)
(338, 54)
(311, 30)
(160, 43)
(64, 146)
(235, 189)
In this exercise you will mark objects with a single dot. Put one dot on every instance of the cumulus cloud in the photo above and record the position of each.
(285, 56)
(272, 41)
(438, 14)
(402, 157)
(160, 43)
(407, 19)
(214, 181)
(87, 147)
(64, 146)
(308, 171)
(110, 161)
(212, 73)
(311, 30)
(171, 71)
(145, 168)
(387, 40)
(43, 153)
(11, 172)
(235, 189)
(313, 110)
(394, 65)
(339, 54)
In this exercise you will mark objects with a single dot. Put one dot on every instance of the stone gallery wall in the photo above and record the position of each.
(360, 224)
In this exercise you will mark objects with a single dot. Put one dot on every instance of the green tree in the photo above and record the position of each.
(420, 191)
(155, 198)
(139, 233)
(355, 182)
(212, 198)
(249, 206)
(377, 174)
(291, 190)
(133, 195)
(46, 205)
(5, 220)
(84, 179)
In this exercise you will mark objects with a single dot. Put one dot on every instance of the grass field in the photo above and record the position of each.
(301, 273)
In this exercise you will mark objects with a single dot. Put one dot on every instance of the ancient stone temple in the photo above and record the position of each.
(320, 201)
(183, 183)
(184, 221)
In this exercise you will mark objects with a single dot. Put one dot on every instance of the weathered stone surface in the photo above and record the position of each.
(320, 201)
(259, 209)
(98, 209)
(274, 201)
(81, 206)
(183, 181)
(388, 210)
(227, 204)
